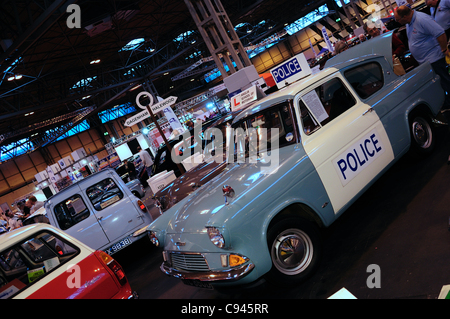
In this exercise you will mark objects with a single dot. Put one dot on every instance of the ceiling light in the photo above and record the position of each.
(95, 61)
(167, 73)
(192, 80)
(136, 87)
(11, 78)
(18, 76)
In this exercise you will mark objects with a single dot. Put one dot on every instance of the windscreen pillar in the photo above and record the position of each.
(219, 35)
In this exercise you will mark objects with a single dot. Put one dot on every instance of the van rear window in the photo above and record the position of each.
(104, 194)
(71, 211)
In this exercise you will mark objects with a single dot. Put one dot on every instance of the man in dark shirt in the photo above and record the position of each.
(130, 169)
(28, 205)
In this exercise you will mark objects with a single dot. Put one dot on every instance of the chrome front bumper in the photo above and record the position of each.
(222, 275)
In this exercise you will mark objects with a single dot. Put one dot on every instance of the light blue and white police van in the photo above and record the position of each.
(338, 131)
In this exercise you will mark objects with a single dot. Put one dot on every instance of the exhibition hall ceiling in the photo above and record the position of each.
(55, 73)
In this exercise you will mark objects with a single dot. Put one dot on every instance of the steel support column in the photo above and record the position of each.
(219, 35)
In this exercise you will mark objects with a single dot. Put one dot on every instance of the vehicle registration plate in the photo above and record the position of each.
(197, 283)
(119, 245)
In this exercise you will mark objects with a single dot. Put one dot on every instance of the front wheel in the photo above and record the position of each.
(295, 250)
(422, 134)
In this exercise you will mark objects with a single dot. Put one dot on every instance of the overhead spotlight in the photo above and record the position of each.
(95, 61)
(15, 77)
(136, 87)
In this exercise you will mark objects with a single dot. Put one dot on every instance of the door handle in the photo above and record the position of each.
(368, 111)
(100, 218)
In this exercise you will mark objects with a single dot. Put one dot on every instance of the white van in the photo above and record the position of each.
(99, 211)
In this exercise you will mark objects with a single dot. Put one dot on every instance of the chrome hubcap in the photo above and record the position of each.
(422, 132)
(292, 251)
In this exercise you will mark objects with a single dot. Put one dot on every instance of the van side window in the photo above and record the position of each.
(366, 79)
(31, 260)
(323, 104)
(70, 212)
(104, 194)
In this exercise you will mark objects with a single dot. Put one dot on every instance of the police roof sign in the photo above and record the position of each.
(290, 71)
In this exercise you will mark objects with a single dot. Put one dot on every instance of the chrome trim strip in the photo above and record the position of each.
(227, 274)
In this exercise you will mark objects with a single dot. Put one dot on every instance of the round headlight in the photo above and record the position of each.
(216, 237)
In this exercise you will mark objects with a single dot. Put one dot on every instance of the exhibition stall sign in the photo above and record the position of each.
(154, 107)
(327, 40)
(241, 100)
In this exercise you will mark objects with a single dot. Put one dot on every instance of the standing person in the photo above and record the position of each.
(146, 160)
(28, 206)
(427, 43)
(130, 169)
(340, 46)
(440, 12)
(398, 48)
(3, 216)
(13, 221)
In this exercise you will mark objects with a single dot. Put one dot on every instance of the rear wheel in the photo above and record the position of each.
(295, 250)
(422, 134)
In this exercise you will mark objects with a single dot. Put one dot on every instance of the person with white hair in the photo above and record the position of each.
(13, 221)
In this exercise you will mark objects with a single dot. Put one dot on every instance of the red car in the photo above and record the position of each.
(41, 262)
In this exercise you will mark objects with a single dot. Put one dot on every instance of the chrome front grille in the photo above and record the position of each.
(188, 262)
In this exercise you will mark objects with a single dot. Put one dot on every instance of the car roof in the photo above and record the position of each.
(378, 46)
(86, 179)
